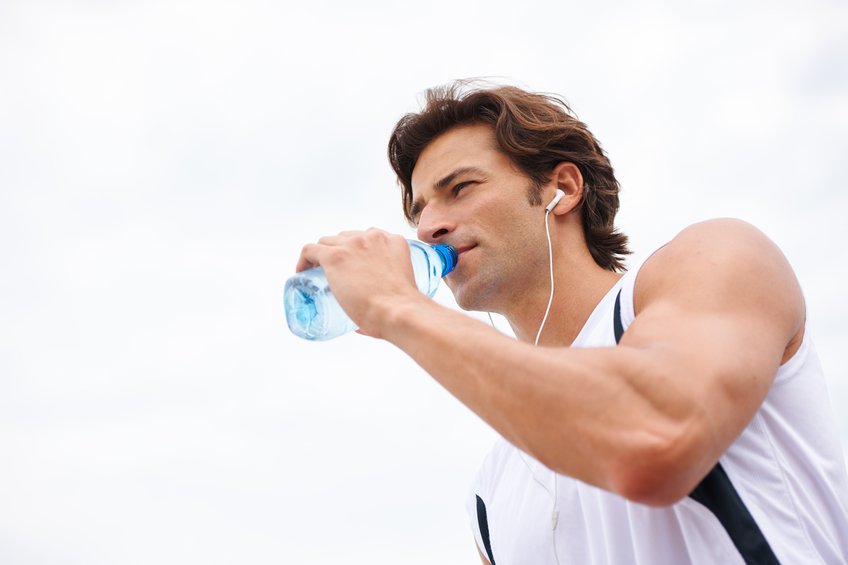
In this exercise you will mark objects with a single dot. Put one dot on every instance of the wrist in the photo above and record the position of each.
(392, 316)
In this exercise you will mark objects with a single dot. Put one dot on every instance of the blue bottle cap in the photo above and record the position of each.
(448, 255)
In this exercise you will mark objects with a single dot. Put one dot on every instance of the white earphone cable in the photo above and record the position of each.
(554, 510)
(551, 259)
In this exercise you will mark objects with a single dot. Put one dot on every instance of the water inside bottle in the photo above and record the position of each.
(311, 311)
(302, 311)
(304, 307)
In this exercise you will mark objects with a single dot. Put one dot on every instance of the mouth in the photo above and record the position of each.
(460, 249)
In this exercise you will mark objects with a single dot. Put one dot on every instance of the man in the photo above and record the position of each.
(673, 414)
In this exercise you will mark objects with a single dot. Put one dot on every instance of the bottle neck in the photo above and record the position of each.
(448, 256)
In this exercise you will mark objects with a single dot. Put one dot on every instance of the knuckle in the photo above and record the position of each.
(333, 255)
(376, 234)
(360, 240)
(397, 240)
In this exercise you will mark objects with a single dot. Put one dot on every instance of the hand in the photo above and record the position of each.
(370, 273)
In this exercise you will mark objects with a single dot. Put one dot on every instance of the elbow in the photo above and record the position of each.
(648, 488)
(659, 471)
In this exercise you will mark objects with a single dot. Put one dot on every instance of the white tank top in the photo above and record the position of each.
(779, 494)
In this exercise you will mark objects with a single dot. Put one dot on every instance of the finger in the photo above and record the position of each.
(357, 238)
(309, 257)
(333, 239)
(343, 238)
(309, 254)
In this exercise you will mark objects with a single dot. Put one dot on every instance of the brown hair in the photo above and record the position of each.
(536, 131)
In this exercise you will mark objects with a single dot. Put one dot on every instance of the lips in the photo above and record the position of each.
(461, 249)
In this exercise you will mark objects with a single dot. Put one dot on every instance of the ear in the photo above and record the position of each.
(566, 177)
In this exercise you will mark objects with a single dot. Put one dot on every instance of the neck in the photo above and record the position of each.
(579, 285)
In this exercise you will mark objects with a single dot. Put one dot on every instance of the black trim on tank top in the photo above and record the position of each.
(720, 497)
(617, 327)
(483, 523)
(718, 494)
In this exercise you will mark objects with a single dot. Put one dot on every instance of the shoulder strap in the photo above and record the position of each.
(617, 326)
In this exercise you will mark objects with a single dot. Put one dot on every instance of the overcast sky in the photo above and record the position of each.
(161, 164)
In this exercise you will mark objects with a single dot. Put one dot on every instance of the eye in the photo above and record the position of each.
(459, 186)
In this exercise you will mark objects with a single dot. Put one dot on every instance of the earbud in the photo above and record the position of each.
(557, 198)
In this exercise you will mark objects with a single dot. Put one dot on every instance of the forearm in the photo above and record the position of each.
(595, 414)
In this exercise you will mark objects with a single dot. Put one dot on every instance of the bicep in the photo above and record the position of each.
(714, 321)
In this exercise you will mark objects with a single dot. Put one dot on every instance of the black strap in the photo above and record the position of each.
(718, 494)
(483, 522)
(617, 326)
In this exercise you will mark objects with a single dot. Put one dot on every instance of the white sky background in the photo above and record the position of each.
(161, 164)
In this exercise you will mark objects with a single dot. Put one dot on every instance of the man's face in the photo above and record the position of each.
(469, 194)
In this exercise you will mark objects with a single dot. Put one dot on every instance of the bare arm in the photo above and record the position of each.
(482, 557)
(718, 310)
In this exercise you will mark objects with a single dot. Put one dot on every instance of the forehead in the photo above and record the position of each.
(462, 146)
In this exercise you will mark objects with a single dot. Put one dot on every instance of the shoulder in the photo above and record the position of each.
(714, 251)
(721, 266)
(715, 243)
(721, 233)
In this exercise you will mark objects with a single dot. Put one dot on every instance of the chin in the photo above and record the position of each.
(471, 299)
(464, 304)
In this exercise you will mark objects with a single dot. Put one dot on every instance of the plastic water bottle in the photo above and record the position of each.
(312, 311)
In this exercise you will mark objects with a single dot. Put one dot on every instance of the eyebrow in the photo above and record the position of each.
(415, 208)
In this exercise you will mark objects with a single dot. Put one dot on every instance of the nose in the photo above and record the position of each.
(433, 224)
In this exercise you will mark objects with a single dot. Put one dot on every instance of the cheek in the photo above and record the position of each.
(520, 228)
